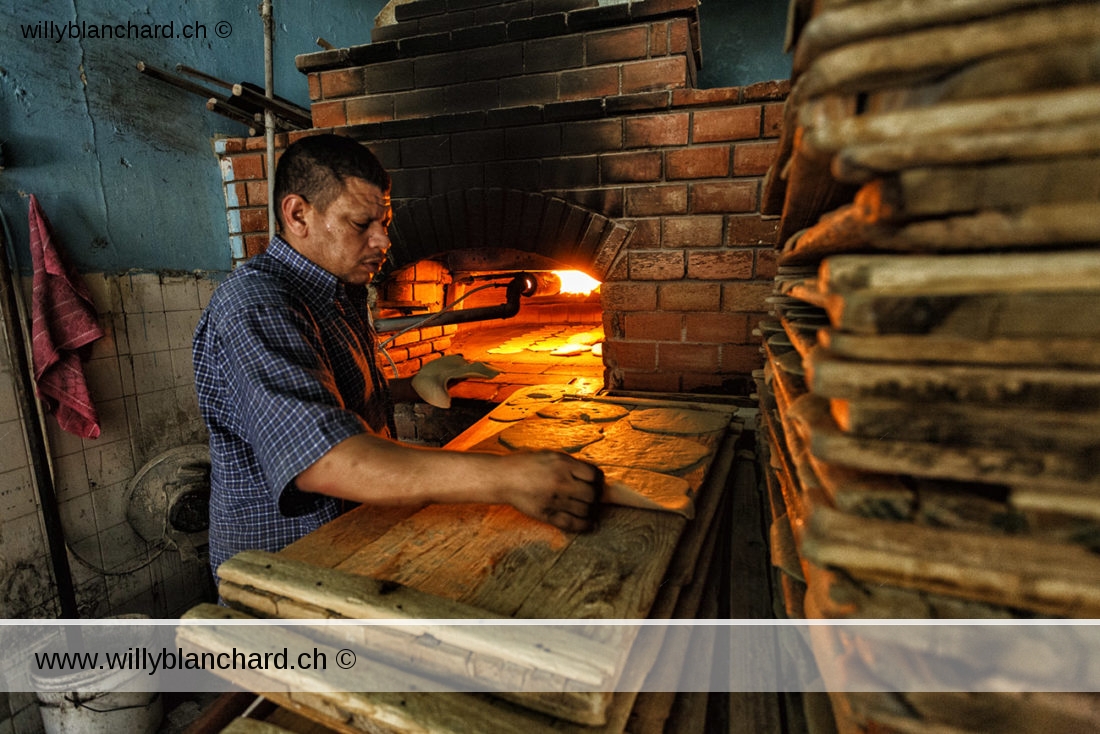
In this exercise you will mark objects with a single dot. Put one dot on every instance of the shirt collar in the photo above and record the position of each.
(317, 283)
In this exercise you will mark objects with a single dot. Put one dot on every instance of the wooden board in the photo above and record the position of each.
(1071, 391)
(1052, 469)
(919, 55)
(491, 560)
(947, 349)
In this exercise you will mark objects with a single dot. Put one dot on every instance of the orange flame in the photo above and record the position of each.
(576, 282)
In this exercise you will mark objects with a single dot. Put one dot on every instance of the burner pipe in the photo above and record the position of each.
(523, 284)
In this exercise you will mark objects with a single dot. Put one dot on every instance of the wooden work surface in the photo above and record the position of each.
(636, 564)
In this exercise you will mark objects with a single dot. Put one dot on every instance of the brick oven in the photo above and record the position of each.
(550, 135)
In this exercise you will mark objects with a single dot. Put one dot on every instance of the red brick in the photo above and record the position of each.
(655, 130)
(658, 39)
(753, 159)
(655, 75)
(588, 83)
(697, 231)
(658, 325)
(765, 91)
(617, 45)
(725, 96)
(712, 161)
(254, 244)
(630, 167)
(716, 328)
(734, 123)
(721, 265)
(727, 196)
(257, 192)
(634, 355)
(342, 83)
(592, 136)
(765, 263)
(329, 114)
(232, 145)
(647, 233)
(690, 357)
(254, 220)
(773, 120)
(741, 359)
(656, 265)
(629, 296)
(679, 36)
(248, 166)
(703, 381)
(748, 297)
(553, 54)
(751, 229)
(687, 296)
(654, 200)
(661, 382)
(314, 81)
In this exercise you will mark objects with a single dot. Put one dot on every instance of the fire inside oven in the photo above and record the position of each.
(534, 326)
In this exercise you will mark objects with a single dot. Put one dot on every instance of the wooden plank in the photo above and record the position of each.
(1073, 391)
(357, 597)
(810, 190)
(1055, 470)
(910, 57)
(982, 316)
(946, 190)
(1039, 352)
(862, 163)
(947, 423)
(1033, 225)
(339, 539)
(847, 24)
(1045, 578)
(829, 132)
(1013, 272)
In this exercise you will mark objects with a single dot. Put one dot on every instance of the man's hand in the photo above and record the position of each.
(555, 488)
(430, 383)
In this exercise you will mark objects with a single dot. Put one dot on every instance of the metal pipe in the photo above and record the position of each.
(269, 116)
(523, 284)
(14, 316)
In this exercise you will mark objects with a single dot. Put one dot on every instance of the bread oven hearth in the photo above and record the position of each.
(554, 135)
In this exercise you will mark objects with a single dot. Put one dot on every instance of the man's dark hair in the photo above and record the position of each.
(316, 167)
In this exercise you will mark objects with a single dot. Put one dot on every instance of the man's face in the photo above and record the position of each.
(349, 239)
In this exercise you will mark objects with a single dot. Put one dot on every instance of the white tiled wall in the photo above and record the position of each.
(141, 381)
(140, 378)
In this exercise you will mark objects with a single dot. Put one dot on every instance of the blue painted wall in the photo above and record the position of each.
(123, 165)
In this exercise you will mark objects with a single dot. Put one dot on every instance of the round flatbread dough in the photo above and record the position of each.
(526, 401)
(648, 489)
(641, 450)
(536, 434)
(678, 421)
(588, 411)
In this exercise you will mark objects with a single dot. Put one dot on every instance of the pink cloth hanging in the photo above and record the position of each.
(64, 323)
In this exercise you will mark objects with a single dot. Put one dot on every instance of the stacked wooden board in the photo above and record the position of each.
(931, 394)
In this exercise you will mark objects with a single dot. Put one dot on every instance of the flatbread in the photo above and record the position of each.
(648, 490)
(588, 411)
(678, 421)
(525, 402)
(641, 450)
(536, 434)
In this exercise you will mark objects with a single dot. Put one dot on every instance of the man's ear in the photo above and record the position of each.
(294, 209)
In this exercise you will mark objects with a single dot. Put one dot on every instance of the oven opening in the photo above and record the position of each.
(555, 337)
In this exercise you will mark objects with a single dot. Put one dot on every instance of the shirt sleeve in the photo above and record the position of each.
(285, 394)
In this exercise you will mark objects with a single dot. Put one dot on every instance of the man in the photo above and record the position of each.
(299, 413)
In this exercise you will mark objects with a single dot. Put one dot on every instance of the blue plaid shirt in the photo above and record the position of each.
(285, 369)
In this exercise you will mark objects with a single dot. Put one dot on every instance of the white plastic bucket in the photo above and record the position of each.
(90, 702)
